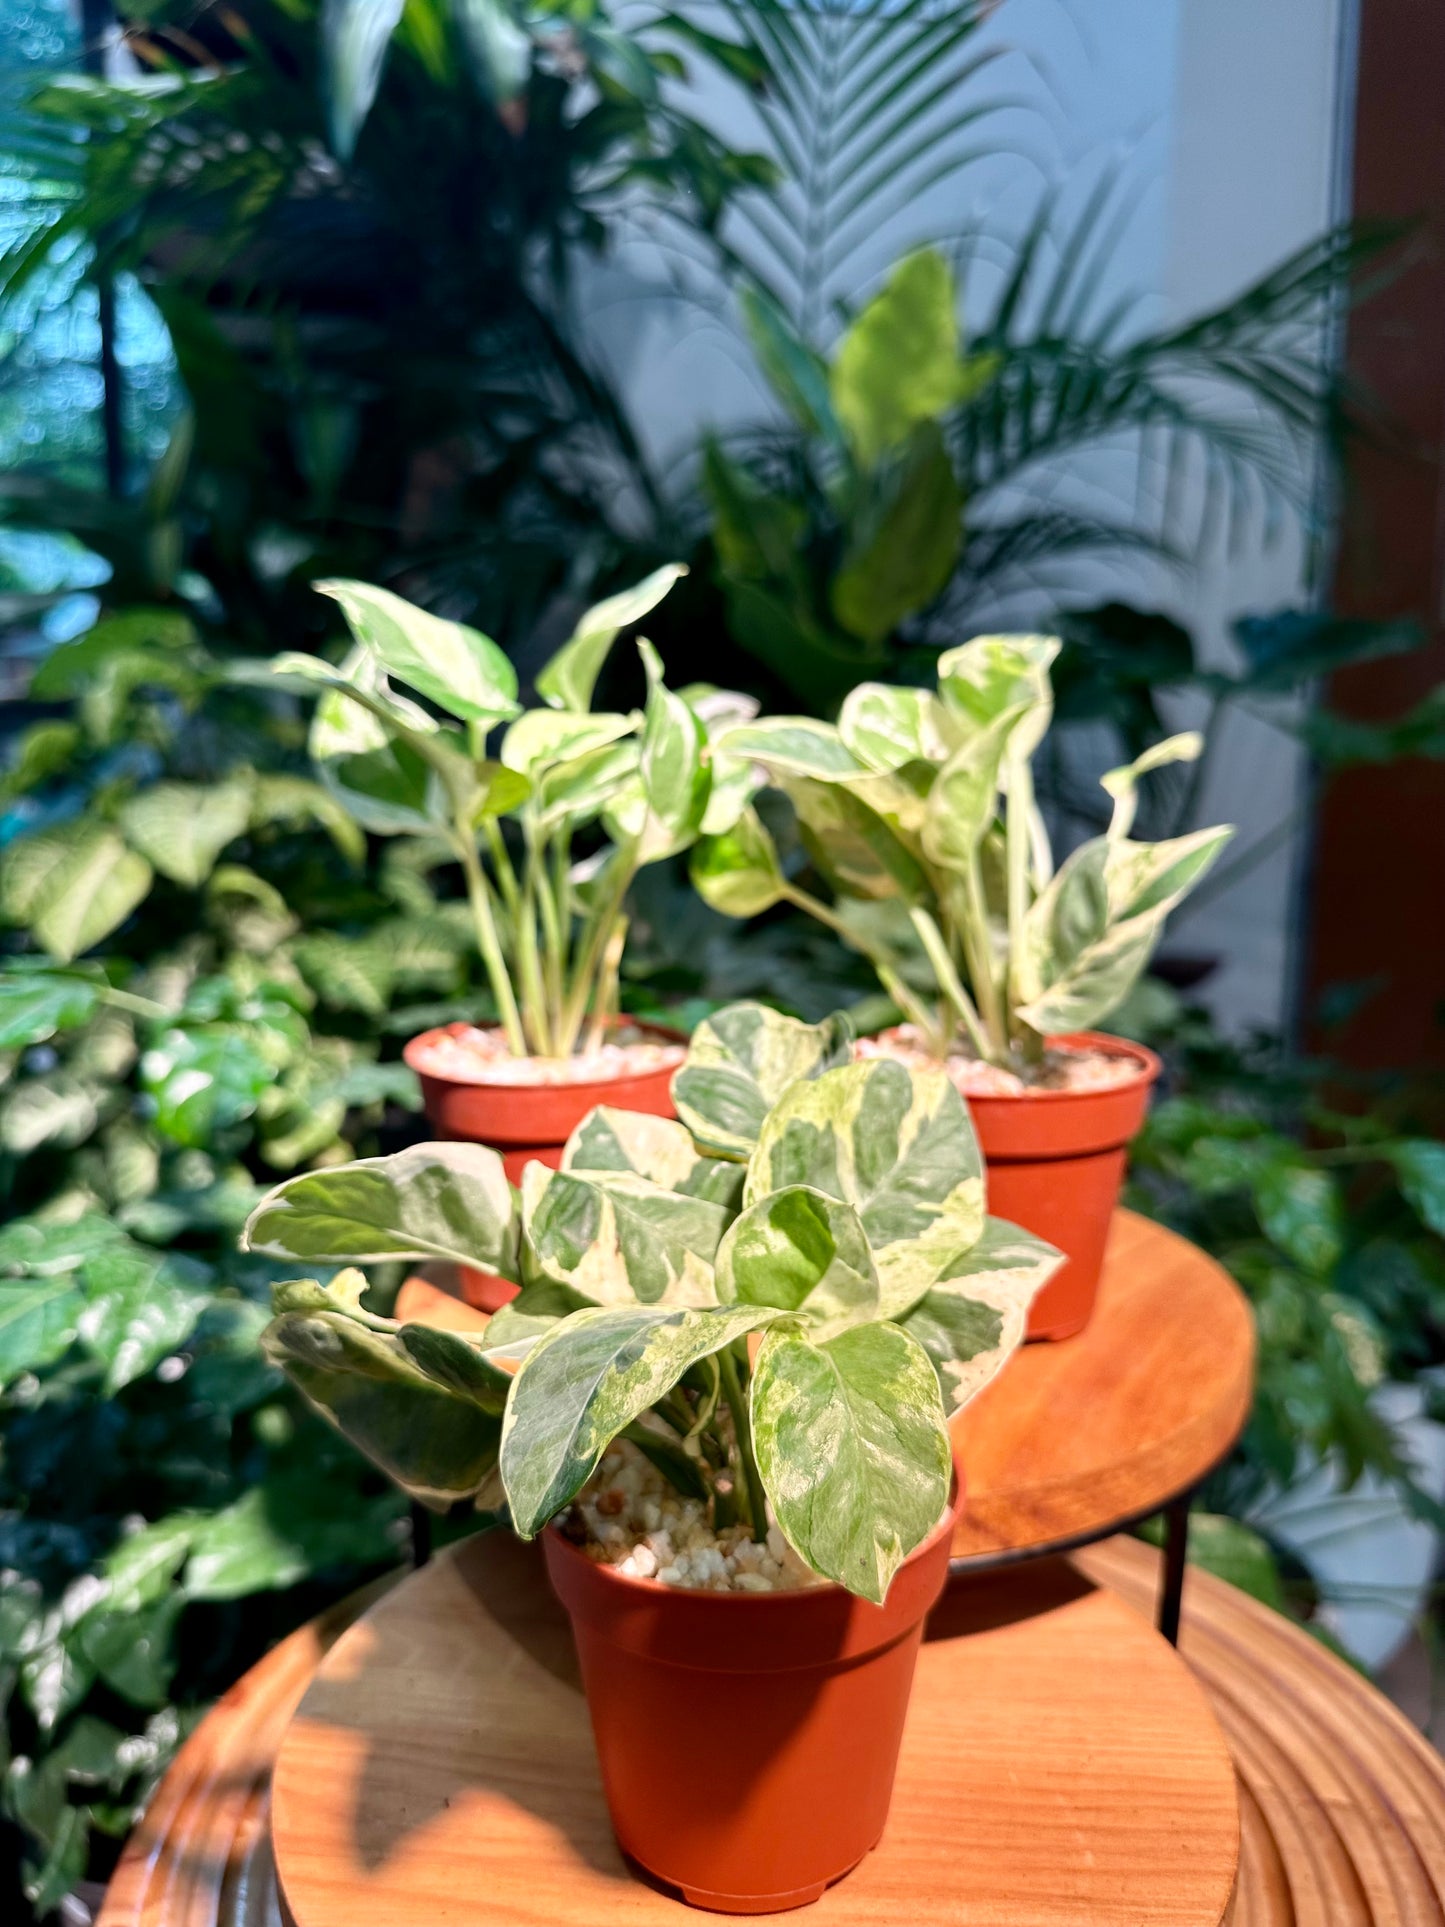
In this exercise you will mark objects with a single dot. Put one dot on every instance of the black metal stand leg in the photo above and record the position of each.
(420, 1535)
(1176, 1548)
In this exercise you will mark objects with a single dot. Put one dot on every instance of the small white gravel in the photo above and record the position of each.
(1062, 1070)
(629, 1517)
(477, 1056)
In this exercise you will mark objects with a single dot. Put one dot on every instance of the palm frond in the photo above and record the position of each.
(870, 103)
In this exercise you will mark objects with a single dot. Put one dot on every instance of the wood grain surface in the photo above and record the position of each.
(1073, 1440)
(441, 1768)
(1342, 1804)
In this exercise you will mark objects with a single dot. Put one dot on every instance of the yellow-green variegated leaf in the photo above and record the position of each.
(460, 669)
(851, 844)
(740, 1061)
(591, 784)
(1094, 928)
(853, 1449)
(801, 1251)
(982, 679)
(543, 738)
(438, 1443)
(588, 1379)
(656, 1148)
(886, 726)
(71, 884)
(972, 1321)
(899, 1147)
(964, 797)
(737, 871)
(792, 746)
(181, 828)
(449, 1201)
(569, 678)
(1123, 784)
(615, 1239)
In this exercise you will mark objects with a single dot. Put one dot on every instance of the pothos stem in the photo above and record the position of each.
(742, 1428)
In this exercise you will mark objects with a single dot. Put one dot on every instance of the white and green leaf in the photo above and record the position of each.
(447, 1201)
(658, 1149)
(614, 1238)
(898, 1146)
(853, 1449)
(181, 828)
(737, 871)
(588, 1379)
(459, 668)
(72, 885)
(569, 678)
(972, 1321)
(739, 1063)
(801, 1251)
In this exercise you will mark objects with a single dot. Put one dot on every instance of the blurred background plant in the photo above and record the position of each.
(306, 289)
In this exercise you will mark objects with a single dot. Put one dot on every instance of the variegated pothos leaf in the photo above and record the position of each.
(897, 1145)
(853, 1449)
(616, 1239)
(973, 1320)
(801, 1251)
(740, 1061)
(449, 1201)
(656, 1148)
(588, 1379)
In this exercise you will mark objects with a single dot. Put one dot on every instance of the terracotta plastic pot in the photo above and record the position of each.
(747, 1741)
(1055, 1164)
(527, 1121)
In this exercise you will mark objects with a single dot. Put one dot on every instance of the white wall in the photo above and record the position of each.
(1218, 118)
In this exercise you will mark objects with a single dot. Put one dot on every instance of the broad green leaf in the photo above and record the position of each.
(1420, 1169)
(1236, 1553)
(297, 800)
(614, 1238)
(463, 1364)
(738, 872)
(656, 1148)
(802, 1251)
(72, 885)
(140, 1567)
(740, 1061)
(437, 1443)
(974, 1318)
(181, 828)
(460, 669)
(37, 1004)
(133, 1652)
(449, 1201)
(899, 1147)
(39, 1320)
(851, 844)
(204, 1081)
(43, 751)
(792, 746)
(1123, 784)
(590, 1377)
(853, 1449)
(570, 677)
(962, 802)
(905, 545)
(544, 737)
(796, 374)
(898, 364)
(886, 727)
(1301, 1211)
(141, 1310)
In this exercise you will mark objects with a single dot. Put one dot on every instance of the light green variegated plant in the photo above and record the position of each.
(781, 1300)
(917, 809)
(550, 932)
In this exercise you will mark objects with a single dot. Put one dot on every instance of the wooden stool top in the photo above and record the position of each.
(1074, 1440)
(441, 1766)
(1342, 1804)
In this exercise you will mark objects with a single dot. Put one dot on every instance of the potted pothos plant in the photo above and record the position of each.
(549, 919)
(721, 1398)
(917, 809)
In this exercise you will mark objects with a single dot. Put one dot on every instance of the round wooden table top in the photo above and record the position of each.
(441, 1767)
(1074, 1440)
(1342, 1804)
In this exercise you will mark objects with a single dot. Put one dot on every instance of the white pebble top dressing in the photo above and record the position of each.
(629, 1517)
(1062, 1070)
(475, 1056)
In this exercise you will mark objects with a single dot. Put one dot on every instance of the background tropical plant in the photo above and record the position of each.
(360, 227)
